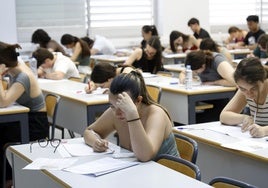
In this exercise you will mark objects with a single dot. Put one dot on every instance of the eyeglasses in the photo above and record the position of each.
(44, 143)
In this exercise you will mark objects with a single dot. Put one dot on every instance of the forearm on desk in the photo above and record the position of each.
(90, 137)
(231, 118)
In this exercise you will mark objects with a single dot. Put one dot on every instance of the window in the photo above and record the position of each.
(111, 18)
(119, 18)
(57, 17)
(229, 12)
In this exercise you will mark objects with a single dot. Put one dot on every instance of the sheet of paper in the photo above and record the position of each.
(50, 164)
(101, 166)
(82, 149)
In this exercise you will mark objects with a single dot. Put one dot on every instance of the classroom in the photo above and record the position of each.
(173, 109)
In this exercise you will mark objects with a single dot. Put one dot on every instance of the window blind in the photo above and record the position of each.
(229, 12)
(56, 17)
(119, 18)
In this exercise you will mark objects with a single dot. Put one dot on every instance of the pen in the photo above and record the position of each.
(254, 118)
(190, 128)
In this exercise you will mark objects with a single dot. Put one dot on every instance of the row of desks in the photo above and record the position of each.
(77, 109)
(214, 158)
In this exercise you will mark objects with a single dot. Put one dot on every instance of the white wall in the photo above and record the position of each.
(8, 32)
(171, 15)
(174, 15)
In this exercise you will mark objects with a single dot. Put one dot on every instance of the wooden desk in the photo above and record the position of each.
(181, 103)
(149, 174)
(18, 113)
(216, 160)
(76, 108)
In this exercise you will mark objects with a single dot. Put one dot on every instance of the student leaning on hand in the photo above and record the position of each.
(143, 126)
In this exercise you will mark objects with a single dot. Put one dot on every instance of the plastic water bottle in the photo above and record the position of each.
(188, 77)
(33, 66)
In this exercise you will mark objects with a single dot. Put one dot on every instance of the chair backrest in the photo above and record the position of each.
(154, 92)
(226, 182)
(52, 102)
(187, 147)
(83, 78)
(180, 165)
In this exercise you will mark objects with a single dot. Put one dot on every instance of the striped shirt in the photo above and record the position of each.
(262, 112)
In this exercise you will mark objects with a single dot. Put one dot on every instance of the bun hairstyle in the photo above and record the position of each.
(8, 54)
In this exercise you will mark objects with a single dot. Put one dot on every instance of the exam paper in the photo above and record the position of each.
(50, 164)
(101, 166)
(82, 149)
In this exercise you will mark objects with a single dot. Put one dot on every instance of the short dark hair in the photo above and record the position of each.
(41, 54)
(41, 37)
(193, 21)
(253, 18)
(102, 72)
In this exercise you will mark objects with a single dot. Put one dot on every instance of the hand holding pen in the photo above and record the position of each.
(100, 145)
(247, 121)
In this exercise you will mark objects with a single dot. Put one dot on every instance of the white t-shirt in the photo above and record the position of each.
(64, 64)
(103, 45)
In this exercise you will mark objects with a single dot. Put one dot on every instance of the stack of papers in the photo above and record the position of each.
(101, 166)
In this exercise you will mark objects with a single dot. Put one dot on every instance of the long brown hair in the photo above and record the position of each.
(133, 82)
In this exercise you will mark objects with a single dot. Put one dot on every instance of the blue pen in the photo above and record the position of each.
(173, 83)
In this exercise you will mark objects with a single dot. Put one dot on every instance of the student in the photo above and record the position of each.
(254, 33)
(42, 38)
(54, 66)
(103, 73)
(148, 59)
(199, 33)
(212, 46)
(179, 42)
(211, 67)
(23, 89)
(147, 32)
(261, 51)
(143, 126)
(81, 52)
(251, 79)
(101, 45)
(236, 38)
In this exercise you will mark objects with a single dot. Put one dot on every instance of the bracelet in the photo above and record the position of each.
(133, 120)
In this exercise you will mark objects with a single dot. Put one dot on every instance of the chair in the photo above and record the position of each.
(154, 92)
(83, 78)
(52, 102)
(187, 147)
(225, 182)
(180, 165)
